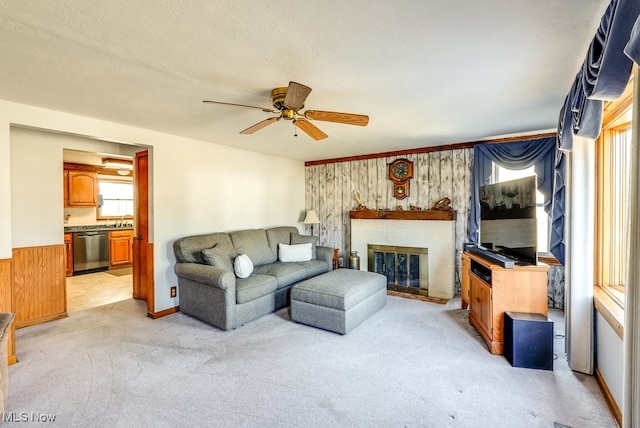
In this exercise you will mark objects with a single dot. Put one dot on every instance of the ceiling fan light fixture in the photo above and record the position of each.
(277, 97)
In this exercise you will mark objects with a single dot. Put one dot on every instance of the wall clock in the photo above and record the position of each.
(400, 172)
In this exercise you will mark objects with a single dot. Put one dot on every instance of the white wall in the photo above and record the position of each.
(196, 186)
(610, 358)
(37, 213)
(5, 191)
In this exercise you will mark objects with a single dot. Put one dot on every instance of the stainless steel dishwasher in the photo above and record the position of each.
(90, 251)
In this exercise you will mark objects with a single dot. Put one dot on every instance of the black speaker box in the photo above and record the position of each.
(528, 340)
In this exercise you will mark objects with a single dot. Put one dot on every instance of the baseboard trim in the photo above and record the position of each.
(156, 315)
(608, 397)
(29, 323)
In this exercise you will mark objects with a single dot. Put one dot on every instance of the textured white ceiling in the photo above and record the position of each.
(427, 72)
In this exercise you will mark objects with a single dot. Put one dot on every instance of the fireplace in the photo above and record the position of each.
(424, 229)
(406, 268)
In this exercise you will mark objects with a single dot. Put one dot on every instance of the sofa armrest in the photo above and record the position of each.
(205, 274)
(325, 254)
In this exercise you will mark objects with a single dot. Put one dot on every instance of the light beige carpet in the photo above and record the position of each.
(411, 364)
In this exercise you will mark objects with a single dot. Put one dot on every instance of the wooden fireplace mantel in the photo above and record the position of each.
(402, 215)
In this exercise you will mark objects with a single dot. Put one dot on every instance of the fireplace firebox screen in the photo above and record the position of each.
(406, 268)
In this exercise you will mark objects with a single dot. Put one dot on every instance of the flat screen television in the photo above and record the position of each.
(508, 223)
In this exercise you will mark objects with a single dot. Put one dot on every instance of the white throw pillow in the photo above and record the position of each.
(294, 253)
(243, 266)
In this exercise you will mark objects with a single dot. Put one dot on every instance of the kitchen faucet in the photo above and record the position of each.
(121, 221)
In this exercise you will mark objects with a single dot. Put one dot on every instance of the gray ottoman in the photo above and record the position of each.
(338, 300)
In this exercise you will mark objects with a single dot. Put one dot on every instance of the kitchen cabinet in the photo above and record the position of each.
(120, 248)
(493, 290)
(80, 188)
(68, 251)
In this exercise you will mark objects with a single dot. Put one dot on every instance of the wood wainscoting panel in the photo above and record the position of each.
(149, 286)
(39, 284)
(6, 305)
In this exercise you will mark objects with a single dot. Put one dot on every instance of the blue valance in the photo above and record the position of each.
(539, 152)
(604, 74)
(605, 71)
(579, 116)
(633, 46)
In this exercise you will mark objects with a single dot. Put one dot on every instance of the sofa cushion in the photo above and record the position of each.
(285, 273)
(315, 267)
(254, 287)
(279, 235)
(189, 249)
(254, 244)
(217, 257)
(294, 253)
(242, 266)
(296, 238)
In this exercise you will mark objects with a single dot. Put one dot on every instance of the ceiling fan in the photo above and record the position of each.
(287, 103)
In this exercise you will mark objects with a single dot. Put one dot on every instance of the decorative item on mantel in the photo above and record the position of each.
(361, 205)
(443, 204)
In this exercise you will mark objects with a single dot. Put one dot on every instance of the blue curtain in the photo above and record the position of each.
(517, 155)
(556, 239)
(604, 75)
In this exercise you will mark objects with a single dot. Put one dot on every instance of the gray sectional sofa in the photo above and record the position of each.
(211, 291)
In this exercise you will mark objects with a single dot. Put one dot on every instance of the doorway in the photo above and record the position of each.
(115, 216)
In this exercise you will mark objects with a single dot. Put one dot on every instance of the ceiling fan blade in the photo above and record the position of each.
(297, 93)
(268, 110)
(332, 116)
(258, 126)
(311, 130)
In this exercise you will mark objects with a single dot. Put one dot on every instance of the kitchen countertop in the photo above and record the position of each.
(94, 227)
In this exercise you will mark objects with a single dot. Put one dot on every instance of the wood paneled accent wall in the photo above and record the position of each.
(330, 190)
(6, 305)
(39, 287)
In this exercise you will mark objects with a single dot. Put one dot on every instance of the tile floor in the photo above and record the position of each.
(97, 289)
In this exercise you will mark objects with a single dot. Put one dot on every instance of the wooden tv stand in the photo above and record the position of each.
(489, 290)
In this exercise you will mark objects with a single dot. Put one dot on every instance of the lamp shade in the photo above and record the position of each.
(311, 217)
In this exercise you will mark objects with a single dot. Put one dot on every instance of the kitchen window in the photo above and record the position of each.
(116, 199)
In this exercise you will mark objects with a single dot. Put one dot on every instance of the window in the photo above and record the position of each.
(117, 199)
(501, 174)
(613, 173)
